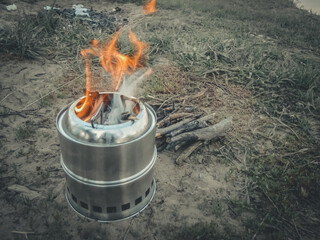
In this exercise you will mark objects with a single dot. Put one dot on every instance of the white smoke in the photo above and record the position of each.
(129, 87)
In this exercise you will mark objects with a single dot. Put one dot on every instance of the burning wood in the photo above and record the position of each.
(115, 63)
(150, 7)
(112, 61)
(113, 109)
(128, 116)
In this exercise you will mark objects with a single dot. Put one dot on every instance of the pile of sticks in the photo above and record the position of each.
(190, 132)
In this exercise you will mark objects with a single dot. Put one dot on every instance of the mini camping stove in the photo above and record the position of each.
(109, 168)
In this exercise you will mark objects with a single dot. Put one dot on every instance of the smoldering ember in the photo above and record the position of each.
(159, 120)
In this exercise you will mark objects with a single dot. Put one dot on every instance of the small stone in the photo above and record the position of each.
(12, 7)
(116, 9)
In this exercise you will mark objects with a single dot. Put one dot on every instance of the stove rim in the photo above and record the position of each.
(111, 126)
(62, 131)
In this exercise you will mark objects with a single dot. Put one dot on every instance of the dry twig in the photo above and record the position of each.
(128, 229)
(23, 233)
(173, 117)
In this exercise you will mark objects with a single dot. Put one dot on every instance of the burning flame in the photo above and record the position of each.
(150, 7)
(112, 61)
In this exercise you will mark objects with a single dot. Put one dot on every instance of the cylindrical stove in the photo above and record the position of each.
(109, 167)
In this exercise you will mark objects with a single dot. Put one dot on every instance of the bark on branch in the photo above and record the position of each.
(204, 134)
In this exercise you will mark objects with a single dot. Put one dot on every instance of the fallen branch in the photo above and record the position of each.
(23, 233)
(164, 131)
(165, 101)
(173, 117)
(204, 134)
(12, 113)
(183, 156)
(199, 94)
(196, 124)
(128, 229)
(24, 191)
(8, 95)
(155, 98)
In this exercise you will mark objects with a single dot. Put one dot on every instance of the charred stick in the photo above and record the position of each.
(187, 128)
(205, 134)
(161, 145)
(173, 117)
(125, 116)
(163, 122)
(183, 156)
(96, 115)
(176, 146)
(196, 124)
(164, 131)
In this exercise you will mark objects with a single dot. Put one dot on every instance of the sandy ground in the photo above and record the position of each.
(185, 194)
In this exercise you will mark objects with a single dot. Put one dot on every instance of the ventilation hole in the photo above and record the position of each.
(152, 183)
(97, 209)
(125, 206)
(74, 198)
(111, 209)
(147, 192)
(84, 205)
(68, 190)
(138, 200)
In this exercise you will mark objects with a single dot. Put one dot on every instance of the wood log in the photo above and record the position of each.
(196, 124)
(173, 117)
(163, 131)
(187, 127)
(204, 134)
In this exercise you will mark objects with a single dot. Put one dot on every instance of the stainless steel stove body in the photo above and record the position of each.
(109, 168)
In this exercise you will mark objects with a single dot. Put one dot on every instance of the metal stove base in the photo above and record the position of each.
(113, 220)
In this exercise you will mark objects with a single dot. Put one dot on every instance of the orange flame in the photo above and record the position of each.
(112, 61)
(150, 7)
